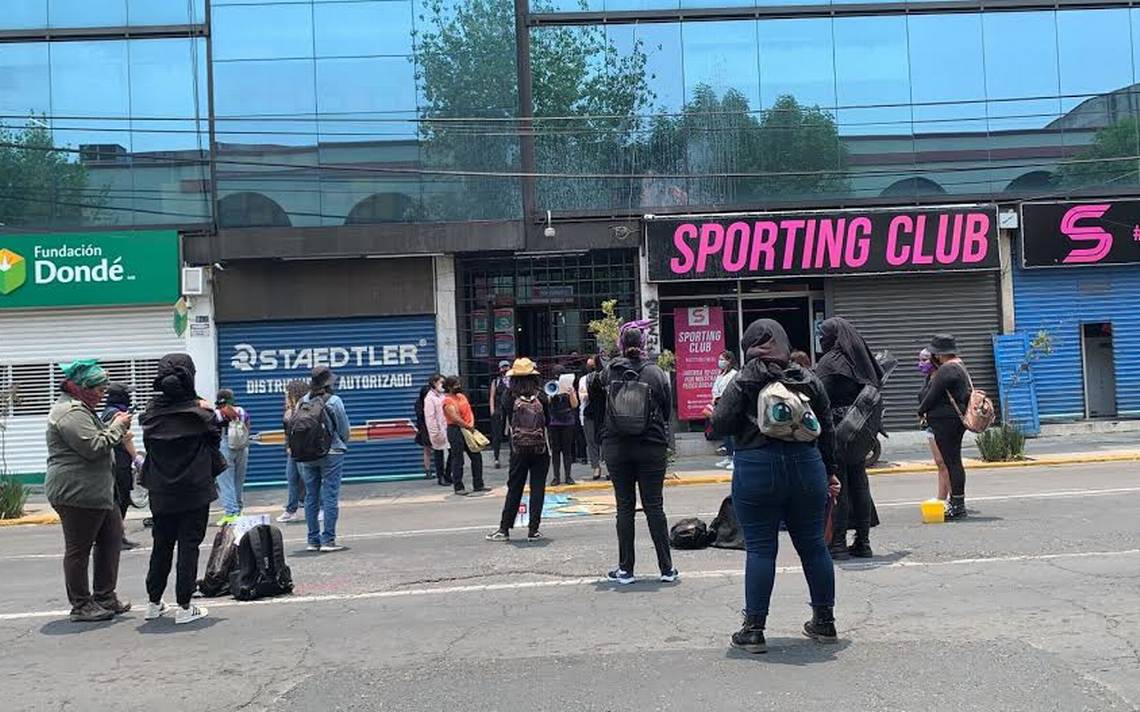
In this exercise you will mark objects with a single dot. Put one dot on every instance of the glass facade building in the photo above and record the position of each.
(324, 113)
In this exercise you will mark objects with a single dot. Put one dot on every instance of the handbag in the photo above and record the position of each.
(979, 413)
(476, 441)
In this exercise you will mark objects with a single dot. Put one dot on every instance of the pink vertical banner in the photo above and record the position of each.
(698, 342)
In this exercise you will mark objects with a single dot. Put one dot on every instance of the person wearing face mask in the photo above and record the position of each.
(436, 423)
(728, 372)
(946, 398)
(926, 367)
(498, 400)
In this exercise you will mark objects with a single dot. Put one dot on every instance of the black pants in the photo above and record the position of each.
(498, 432)
(124, 482)
(561, 448)
(441, 472)
(187, 530)
(525, 466)
(639, 468)
(85, 530)
(948, 434)
(855, 508)
(458, 448)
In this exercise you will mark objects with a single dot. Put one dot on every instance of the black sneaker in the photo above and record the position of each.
(570, 481)
(91, 612)
(956, 509)
(498, 536)
(462, 492)
(861, 549)
(839, 551)
(482, 489)
(672, 576)
(750, 638)
(623, 578)
(127, 544)
(534, 536)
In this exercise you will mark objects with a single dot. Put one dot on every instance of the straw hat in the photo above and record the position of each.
(522, 367)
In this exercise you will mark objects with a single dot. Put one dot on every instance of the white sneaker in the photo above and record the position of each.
(155, 611)
(313, 547)
(189, 614)
(726, 462)
(287, 517)
(331, 548)
(730, 466)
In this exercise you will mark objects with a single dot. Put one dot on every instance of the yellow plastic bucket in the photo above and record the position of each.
(933, 511)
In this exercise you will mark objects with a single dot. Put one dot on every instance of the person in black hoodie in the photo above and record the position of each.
(946, 397)
(636, 461)
(183, 446)
(778, 480)
(119, 401)
(846, 367)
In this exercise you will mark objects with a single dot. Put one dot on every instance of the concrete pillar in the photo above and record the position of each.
(202, 338)
(650, 304)
(1005, 251)
(446, 319)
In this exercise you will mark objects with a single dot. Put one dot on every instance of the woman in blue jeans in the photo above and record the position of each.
(294, 392)
(778, 480)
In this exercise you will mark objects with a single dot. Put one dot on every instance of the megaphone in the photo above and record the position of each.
(551, 388)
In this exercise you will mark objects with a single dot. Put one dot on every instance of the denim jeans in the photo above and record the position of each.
(231, 482)
(782, 480)
(322, 492)
(729, 445)
(296, 485)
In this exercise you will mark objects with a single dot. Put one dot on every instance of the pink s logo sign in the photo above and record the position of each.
(1102, 240)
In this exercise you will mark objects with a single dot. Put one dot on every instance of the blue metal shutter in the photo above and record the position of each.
(1058, 301)
(1015, 385)
(381, 364)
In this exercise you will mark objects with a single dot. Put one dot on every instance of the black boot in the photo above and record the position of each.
(750, 638)
(838, 549)
(956, 509)
(861, 549)
(821, 627)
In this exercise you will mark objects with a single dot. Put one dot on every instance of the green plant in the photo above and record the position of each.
(605, 330)
(1002, 443)
(667, 361)
(13, 495)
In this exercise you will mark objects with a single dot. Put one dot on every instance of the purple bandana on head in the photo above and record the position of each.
(642, 326)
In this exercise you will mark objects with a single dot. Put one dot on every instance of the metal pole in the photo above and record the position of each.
(525, 114)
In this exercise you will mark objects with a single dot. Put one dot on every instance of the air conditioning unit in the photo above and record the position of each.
(193, 281)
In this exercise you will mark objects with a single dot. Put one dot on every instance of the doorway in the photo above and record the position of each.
(1099, 369)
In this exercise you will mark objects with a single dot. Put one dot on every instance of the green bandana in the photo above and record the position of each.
(85, 373)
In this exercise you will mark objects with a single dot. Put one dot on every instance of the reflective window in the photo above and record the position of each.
(1094, 54)
(363, 29)
(24, 14)
(723, 57)
(85, 13)
(39, 14)
(797, 59)
(262, 32)
(166, 12)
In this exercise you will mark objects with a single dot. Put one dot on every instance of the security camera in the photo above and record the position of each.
(549, 232)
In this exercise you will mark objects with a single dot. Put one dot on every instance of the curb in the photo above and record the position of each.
(31, 519)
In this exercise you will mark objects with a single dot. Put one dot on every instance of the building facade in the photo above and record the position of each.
(498, 166)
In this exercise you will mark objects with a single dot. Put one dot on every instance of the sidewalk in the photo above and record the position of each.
(906, 455)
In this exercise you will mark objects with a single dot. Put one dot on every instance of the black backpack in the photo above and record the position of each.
(724, 531)
(308, 433)
(261, 570)
(560, 408)
(689, 534)
(629, 403)
(223, 556)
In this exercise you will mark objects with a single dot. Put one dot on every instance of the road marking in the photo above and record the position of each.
(868, 567)
(587, 519)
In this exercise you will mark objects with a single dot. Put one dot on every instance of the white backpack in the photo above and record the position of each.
(783, 414)
(237, 432)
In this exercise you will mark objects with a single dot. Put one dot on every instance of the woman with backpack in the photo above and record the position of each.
(527, 411)
(497, 399)
(785, 471)
(235, 448)
(563, 427)
(294, 392)
(423, 437)
(461, 417)
(632, 400)
(322, 475)
(183, 458)
(927, 368)
(846, 367)
(947, 398)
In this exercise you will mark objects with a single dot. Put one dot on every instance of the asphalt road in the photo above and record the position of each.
(1033, 604)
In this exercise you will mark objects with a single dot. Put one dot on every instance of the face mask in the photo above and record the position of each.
(926, 367)
(439, 388)
(722, 364)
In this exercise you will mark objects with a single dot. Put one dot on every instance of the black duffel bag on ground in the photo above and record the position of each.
(689, 533)
(724, 532)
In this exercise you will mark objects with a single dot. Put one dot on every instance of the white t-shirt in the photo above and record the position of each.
(720, 385)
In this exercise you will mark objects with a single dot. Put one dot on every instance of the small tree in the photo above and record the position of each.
(605, 330)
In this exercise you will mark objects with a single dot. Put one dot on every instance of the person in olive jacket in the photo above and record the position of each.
(80, 485)
(183, 458)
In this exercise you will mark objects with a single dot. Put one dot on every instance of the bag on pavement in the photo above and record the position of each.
(309, 431)
(724, 531)
(223, 556)
(689, 533)
(261, 570)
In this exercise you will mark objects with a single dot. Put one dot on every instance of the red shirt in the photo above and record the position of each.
(463, 406)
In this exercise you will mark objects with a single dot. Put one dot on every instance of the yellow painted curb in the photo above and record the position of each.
(43, 518)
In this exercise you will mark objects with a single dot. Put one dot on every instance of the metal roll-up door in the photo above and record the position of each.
(900, 313)
(381, 364)
(127, 341)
